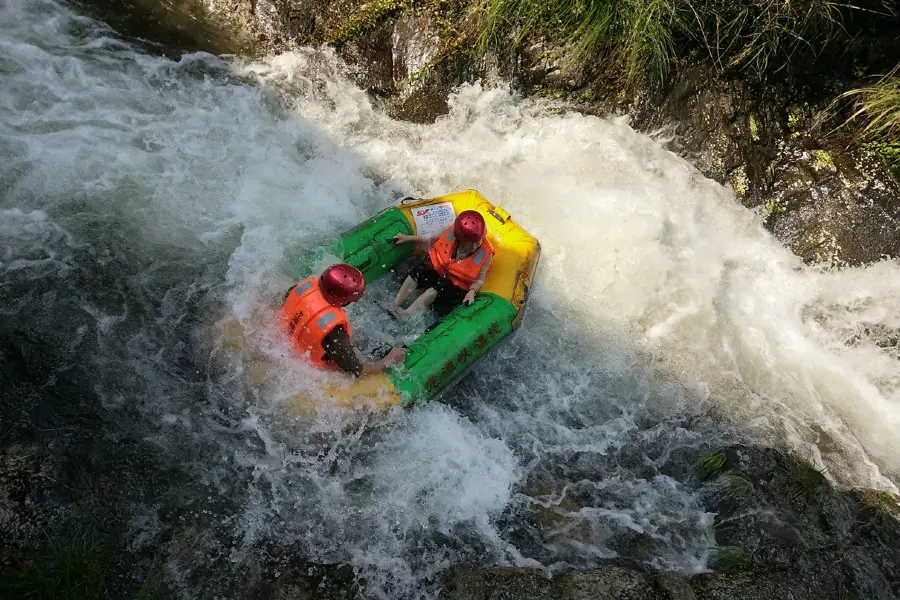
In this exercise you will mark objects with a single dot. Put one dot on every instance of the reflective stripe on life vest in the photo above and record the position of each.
(462, 273)
(310, 318)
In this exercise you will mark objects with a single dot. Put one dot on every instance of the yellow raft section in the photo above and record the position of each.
(509, 276)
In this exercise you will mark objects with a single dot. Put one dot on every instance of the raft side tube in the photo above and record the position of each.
(451, 347)
(368, 246)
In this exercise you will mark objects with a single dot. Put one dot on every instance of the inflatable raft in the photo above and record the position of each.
(445, 351)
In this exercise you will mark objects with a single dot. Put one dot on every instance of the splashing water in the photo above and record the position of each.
(145, 202)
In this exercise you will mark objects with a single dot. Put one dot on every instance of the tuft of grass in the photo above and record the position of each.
(876, 108)
(71, 566)
(805, 480)
(764, 35)
(822, 160)
(730, 559)
(879, 507)
(709, 464)
(878, 105)
(638, 35)
(736, 487)
(774, 207)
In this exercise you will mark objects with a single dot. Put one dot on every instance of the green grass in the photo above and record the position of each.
(805, 481)
(73, 567)
(368, 17)
(68, 566)
(876, 108)
(637, 34)
(709, 464)
(879, 508)
(736, 487)
(889, 151)
(641, 36)
(730, 559)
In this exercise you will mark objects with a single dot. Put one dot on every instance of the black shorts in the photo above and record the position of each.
(448, 295)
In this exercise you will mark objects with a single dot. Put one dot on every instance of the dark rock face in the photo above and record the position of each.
(786, 518)
(608, 583)
(833, 206)
(757, 586)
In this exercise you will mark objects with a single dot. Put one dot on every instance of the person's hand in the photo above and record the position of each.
(470, 298)
(402, 238)
(395, 356)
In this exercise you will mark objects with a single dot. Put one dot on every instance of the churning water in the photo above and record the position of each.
(145, 205)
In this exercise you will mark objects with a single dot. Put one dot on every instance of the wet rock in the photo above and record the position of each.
(422, 80)
(832, 206)
(315, 583)
(607, 583)
(756, 586)
(415, 42)
(614, 583)
(24, 512)
(369, 57)
(185, 25)
(789, 518)
(675, 587)
(707, 115)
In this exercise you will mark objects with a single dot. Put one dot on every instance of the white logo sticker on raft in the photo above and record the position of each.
(432, 220)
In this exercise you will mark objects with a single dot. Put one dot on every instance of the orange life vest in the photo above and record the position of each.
(310, 318)
(461, 272)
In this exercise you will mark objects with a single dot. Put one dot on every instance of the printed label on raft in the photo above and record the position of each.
(432, 220)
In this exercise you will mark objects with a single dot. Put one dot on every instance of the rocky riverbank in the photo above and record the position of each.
(782, 530)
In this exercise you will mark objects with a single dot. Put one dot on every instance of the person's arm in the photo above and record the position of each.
(402, 238)
(339, 349)
(479, 281)
(393, 357)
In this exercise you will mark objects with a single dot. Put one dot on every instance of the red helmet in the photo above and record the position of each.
(342, 284)
(469, 226)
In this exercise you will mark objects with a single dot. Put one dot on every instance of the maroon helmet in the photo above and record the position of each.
(342, 284)
(469, 227)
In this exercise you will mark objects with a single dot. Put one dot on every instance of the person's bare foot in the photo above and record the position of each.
(399, 312)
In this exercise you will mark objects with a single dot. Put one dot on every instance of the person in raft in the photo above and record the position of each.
(454, 269)
(314, 313)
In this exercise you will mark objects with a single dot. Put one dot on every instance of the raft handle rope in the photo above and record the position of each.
(496, 216)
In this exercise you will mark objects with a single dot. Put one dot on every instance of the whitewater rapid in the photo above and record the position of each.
(146, 201)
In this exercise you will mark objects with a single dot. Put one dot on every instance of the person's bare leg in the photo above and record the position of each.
(408, 287)
(423, 301)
